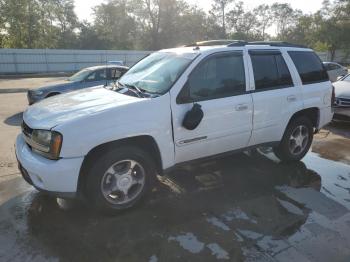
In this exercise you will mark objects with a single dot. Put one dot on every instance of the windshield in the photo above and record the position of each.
(157, 72)
(347, 78)
(80, 76)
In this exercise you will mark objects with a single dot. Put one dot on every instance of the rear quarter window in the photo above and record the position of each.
(309, 66)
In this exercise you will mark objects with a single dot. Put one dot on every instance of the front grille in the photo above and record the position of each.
(342, 102)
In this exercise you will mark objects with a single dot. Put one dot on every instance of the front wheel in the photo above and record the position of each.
(296, 140)
(120, 178)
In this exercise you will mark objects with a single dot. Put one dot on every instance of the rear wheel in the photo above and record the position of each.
(296, 140)
(120, 178)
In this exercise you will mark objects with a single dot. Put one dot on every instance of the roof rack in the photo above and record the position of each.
(270, 43)
(231, 43)
(214, 42)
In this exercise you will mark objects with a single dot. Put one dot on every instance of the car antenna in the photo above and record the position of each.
(106, 84)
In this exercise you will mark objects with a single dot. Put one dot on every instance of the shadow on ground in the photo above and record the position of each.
(339, 128)
(15, 120)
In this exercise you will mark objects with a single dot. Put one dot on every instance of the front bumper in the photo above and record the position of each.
(57, 177)
(32, 99)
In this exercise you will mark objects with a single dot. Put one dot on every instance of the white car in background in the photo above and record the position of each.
(342, 100)
(335, 70)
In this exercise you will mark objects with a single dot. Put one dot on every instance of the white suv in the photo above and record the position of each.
(174, 106)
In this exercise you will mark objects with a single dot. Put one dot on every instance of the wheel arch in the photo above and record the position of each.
(54, 93)
(312, 113)
(144, 142)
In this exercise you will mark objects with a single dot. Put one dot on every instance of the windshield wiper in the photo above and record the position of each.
(138, 91)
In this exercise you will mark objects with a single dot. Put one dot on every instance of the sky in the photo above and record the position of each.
(83, 7)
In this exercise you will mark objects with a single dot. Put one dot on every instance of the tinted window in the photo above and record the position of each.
(334, 67)
(97, 75)
(270, 71)
(219, 76)
(309, 66)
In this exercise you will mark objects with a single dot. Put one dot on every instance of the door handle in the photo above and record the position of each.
(291, 98)
(241, 107)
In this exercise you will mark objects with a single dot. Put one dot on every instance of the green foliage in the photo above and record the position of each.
(156, 24)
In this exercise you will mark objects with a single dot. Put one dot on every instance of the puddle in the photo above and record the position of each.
(189, 242)
(216, 222)
(217, 251)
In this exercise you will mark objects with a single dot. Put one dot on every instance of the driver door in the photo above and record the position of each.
(218, 84)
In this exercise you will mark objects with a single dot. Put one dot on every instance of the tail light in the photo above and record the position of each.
(333, 96)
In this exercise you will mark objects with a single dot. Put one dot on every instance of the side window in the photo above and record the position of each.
(114, 74)
(97, 75)
(333, 67)
(270, 71)
(219, 76)
(309, 66)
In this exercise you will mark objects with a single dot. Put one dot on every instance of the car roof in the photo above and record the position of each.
(105, 66)
(222, 48)
(231, 45)
(328, 63)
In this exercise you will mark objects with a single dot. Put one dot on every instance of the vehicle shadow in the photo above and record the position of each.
(183, 201)
(339, 128)
(14, 120)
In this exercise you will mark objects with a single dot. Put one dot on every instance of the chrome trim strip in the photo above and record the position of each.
(187, 141)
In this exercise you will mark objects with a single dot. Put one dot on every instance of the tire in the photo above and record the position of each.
(293, 146)
(112, 171)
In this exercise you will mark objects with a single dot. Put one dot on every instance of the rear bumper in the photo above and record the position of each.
(59, 178)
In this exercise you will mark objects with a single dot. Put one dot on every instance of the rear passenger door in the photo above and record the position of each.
(275, 96)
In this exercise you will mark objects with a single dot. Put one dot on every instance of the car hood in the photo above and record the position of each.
(53, 111)
(342, 89)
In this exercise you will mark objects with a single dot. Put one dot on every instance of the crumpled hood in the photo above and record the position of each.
(342, 89)
(55, 110)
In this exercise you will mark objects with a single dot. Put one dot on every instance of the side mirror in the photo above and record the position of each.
(193, 117)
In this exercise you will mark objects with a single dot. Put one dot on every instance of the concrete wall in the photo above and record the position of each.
(22, 61)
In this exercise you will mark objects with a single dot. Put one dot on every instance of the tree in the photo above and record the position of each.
(284, 17)
(114, 25)
(219, 10)
(264, 17)
(244, 25)
(38, 23)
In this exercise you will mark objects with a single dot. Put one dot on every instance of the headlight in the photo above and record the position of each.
(47, 143)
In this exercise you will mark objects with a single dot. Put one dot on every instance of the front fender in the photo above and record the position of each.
(151, 117)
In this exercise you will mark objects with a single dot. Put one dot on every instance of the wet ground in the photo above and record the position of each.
(247, 207)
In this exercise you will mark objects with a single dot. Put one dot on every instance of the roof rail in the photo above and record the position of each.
(270, 43)
(215, 42)
(231, 43)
